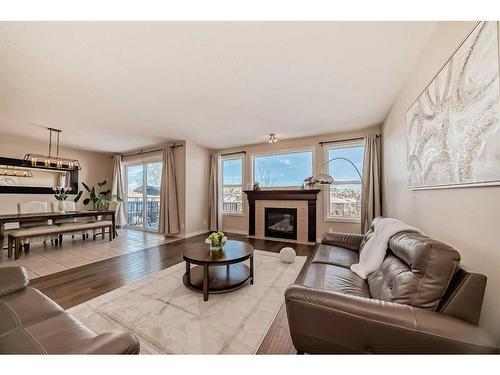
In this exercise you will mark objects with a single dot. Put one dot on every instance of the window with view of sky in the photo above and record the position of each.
(232, 179)
(344, 200)
(282, 170)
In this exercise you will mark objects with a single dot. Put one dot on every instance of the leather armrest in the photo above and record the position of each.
(350, 241)
(327, 322)
(12, 279)
(114, 342)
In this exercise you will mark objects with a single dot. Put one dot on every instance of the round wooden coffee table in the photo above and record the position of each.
(218, 271)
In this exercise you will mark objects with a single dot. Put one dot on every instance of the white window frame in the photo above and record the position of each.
(280, 152)
(222, 159)
(326, 216)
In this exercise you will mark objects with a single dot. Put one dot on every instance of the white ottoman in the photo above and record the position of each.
(287, 255)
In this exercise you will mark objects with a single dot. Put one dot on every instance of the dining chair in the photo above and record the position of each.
(113, 206)
(33, 207)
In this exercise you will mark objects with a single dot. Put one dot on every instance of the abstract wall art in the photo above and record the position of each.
(453, 128)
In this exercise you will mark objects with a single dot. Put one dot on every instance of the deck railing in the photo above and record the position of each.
(135, 211)
(231, 207)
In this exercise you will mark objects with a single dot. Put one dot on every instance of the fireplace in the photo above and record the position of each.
(281, 222)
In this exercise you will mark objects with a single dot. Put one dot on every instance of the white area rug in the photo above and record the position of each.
(168, 318)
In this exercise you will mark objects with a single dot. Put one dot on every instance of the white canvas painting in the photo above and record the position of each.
(453, 130)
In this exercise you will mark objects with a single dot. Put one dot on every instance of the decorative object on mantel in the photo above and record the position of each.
(453, 130)
(51, 161)
(309, 182)
(325, 179)
(287, 255)
(216, 240)
(272, 138)
(100, 199)
(256, 186)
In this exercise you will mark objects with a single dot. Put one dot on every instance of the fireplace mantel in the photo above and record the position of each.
(283, 195)
(309, 195)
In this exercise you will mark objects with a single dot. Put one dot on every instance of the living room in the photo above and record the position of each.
(249, 187)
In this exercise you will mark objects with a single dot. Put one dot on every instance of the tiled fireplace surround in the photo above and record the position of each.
(302, 200)
(302, 222)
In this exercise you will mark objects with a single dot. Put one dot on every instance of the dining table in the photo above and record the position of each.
(26, 218)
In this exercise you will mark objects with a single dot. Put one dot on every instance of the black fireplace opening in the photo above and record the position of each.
(281, 222)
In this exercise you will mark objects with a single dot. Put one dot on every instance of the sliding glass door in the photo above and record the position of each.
(143, 195)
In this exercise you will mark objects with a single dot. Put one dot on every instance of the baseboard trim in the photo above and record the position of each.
(193, 234)
(242, 232)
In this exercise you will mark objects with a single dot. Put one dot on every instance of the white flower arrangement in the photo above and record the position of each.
(216, 240)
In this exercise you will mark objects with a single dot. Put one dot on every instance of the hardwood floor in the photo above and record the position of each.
(74, 286)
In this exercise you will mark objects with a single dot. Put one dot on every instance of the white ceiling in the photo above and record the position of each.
(116, 86)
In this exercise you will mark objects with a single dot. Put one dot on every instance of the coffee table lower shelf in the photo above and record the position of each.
(221, 279)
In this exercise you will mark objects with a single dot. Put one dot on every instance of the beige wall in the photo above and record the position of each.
(466, 218)
(196, 205)
(95, 167)
(239, 224)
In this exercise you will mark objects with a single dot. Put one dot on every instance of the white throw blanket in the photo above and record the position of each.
(373, 252)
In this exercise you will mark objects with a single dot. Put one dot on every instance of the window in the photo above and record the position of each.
(344, 196)
(282, 170)
(232, 192)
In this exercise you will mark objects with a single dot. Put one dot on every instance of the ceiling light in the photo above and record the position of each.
(50, 161)
(272, 138)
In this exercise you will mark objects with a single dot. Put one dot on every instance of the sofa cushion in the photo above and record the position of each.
(337, 256)
(29, 306)
(416, 271)
(335, 279)
(60, 334)
(19, 341)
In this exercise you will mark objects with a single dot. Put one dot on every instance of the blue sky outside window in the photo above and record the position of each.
(342, 170)
(282, 170)
(232, 171)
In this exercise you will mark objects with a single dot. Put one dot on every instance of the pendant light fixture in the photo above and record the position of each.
(50, 161)
(272, 138)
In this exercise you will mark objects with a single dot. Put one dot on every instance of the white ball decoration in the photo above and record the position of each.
(287, 255)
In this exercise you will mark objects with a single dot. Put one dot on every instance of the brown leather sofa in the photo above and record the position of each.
(419, 301)
(31, 323)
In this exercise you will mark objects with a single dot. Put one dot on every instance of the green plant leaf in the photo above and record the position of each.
(78, 196)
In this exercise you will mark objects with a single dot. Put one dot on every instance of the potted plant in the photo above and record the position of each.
(99, 198)
(61, 194)
(216, 240)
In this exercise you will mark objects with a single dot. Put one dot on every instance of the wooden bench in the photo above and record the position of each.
(16, 236)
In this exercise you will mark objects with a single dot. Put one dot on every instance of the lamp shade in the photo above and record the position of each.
(323, 179)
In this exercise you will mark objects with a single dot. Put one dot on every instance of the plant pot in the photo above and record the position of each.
(60, 206)
(215, 248)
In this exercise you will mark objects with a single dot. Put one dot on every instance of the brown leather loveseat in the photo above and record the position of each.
(31, 323)
(419, 301)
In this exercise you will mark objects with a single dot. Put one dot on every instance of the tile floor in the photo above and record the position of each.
(47, 259)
